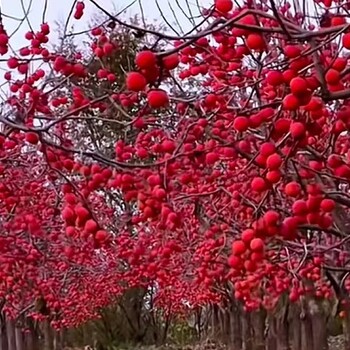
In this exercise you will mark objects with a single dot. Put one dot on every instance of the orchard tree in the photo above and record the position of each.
(235, 190)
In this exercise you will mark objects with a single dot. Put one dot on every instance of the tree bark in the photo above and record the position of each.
(258, 323)
(48, 344)
(319, 325)
(19, 338)
(11, 337)
(236, 326)
(295, 326)
(271, 343)
(3, 335)
(306, 327)
(247, 331)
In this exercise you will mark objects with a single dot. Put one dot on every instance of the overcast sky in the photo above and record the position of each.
(57, 10)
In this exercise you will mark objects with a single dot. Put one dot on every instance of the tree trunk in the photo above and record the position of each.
(247, 331)
(306, 327)
(271, 343)
(258, 323)
(319, 325)
(11, 337)
(3, 335)
(282, 333)
(47, 335)
(346, 330)
(19, 338)
(236, 326)
(295, 326)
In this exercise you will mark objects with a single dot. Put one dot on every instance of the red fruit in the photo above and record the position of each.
(334, 161)
(223, 6)
(346, 41)
(297, 130)
(327, 205)
(258, 184)
(256, 42)
(273, 176)
(4, 39)
(12, 62)
(257, 244)
(250, 265)
(298, 85)
(91, 226)
(211, 158)
(292, 51)
(292, 189)
(146, 59)
(82, 213)
(271, 218)
(157, 98)
(135, 81)
(247, 235)
(290, 102)
(332, 77)
(32, 137)
(45, 28)
(241, 124)
(234, 261)
(300, 208)
(101, 235)
(68, 214)
(168, 146)
(274, 161)
(267, 148)
(238, 248)
(171, 62)
(274, 78)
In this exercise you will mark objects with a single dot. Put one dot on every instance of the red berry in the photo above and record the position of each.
(297, 130)
(290, 102)
(32, 137)
(101, 235)
(234, 261)
(223, 6)
(91, 226)
(241, 124)
(267, 148)
(298, 85)
(292, 189)
(299, 207)
(257, 244)
(274, 161)
(346, 41)
(327, 205)
(168, 146)
(157, 98)
(12, 62)
(4, 39)
(238, 248)
(247, 235)
(211, 158)
(332, 77)
(258, 184)
(256, 42)
(82, 213)
(274, 78)
(146, 59)
(171, 62)
(292, 51)
(135, 81)
(271, 218)
(68, 214)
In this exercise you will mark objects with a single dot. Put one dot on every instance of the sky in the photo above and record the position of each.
(53, 11)
(57, 10)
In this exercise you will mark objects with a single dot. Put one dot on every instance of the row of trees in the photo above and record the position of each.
(211, 168)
